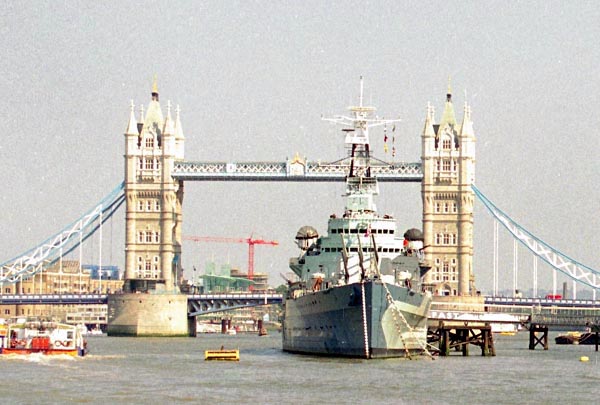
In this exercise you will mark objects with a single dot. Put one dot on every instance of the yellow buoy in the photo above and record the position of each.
(584, 359)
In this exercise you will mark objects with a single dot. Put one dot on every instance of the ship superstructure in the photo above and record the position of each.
(359, 292)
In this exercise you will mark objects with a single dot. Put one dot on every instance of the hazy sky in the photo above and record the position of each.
(253, 79)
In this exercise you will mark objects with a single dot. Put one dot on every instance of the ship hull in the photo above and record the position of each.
(334, 322)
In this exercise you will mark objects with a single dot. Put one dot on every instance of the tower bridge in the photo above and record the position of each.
(153, 190)
(156, 169)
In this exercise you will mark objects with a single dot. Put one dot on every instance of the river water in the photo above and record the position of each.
(173, 370)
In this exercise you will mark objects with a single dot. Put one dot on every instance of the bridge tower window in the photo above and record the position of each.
(446, 143)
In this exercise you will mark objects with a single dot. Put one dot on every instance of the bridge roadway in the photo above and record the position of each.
(271, 298)
(495, 309)
(198, 304)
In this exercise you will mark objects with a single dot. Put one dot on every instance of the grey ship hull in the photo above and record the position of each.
(331, 322)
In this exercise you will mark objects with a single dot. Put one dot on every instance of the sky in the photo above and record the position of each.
(253, 79)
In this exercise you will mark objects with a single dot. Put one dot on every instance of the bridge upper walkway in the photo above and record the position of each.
(292, 171)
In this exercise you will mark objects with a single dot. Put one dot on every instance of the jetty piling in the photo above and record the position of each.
(459, 335)
(534, 340)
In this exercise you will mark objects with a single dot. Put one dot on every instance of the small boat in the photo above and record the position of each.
(589, 338)
(26, 336)
(222, 354)
(89, 332)
(569, 338)
(577, 338)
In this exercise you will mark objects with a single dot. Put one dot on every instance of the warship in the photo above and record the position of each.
(358, 291)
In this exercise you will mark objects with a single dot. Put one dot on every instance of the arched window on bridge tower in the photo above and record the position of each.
(446, 143)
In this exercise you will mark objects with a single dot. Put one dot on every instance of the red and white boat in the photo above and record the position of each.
(26, 336)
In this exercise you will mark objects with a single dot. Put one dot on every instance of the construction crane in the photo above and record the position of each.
(250, 241)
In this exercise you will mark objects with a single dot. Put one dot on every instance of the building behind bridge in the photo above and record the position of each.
(225, 279)
(65, 277)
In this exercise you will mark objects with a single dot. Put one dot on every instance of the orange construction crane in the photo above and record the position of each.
(250, 241)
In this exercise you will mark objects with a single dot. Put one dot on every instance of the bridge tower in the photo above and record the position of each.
(153, 200)
(153, 228)
(448, 161)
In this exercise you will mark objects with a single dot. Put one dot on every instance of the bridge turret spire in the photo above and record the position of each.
(132, 126)
(466, 128)
(140, 123)
(179, 138)
(169, 128)
(155, 89)
(428, 130)
(448, 117)
(178, 128)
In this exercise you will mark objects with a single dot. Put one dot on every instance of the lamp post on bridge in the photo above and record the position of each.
(194, 282)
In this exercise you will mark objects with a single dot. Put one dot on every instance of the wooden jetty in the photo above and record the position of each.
(459, 335)
(540, 324)
(538, 335)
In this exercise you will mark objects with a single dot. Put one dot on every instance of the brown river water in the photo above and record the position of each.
(173, 370)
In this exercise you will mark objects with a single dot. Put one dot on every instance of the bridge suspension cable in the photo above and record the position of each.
(559, 261)
(62, 243)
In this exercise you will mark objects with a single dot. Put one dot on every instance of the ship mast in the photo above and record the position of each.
(361, 186)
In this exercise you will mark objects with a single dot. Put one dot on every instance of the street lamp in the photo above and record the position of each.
(194, 282)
